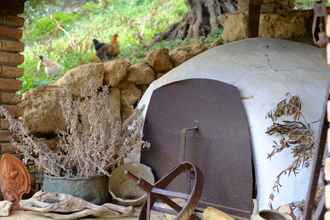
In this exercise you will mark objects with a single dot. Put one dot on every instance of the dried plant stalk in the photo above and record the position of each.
(294, 133)
(92, 143)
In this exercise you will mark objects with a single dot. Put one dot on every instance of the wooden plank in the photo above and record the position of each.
(327, 169)
(9, 98)
(254, 18)
(12, 59)
(11, 46)
(327, 216)
(9, 85)
(328, 110)
(7, 148)
(4, 136)
(11, 33)
(328, 54)
(10, 72)
(327, 196)
(328, 26)
(4, 124)
(11, 21)
(13, 7)
(320, 209)
(316, 170)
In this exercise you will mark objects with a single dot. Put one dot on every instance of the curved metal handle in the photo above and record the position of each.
(158, 192)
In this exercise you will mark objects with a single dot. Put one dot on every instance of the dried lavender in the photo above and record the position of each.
(92, 143)
(295, 134)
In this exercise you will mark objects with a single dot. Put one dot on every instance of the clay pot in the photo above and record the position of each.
(124, 190)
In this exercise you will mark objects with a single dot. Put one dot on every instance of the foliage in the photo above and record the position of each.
(64, 32)
(87, 147)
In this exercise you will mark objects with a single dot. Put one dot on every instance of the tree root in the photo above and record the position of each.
(202, 19)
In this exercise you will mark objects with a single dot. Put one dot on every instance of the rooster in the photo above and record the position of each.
(106, 51)
(51, 68)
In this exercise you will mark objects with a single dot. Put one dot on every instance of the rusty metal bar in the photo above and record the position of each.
(316, 169)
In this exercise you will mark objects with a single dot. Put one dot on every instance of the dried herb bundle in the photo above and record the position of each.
(92, 143)
(295, 134)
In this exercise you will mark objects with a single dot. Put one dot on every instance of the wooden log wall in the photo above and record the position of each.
(11, 48)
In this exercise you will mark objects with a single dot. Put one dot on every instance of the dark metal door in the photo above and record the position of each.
(220, 147)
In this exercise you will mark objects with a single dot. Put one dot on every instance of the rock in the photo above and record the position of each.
(159, 60)
(140, 74)
(83, 80)
(214, 214)
(126, 111)
(160, 75)
(235, 27)
(129, 93)
(216, 43)
(182, 54)
(115, 104)
(143, 88)
(51, 143)
(179, 56)
(115, 71)
(5, 207)
(285, 26)
(41, 110)
(196, 48)
(111, 102)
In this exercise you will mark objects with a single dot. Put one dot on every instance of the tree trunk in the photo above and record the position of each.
(202, 19)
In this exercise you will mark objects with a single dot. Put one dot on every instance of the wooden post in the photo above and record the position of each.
(254, 18)
(327, 173)
(328, 35)
(10, 57)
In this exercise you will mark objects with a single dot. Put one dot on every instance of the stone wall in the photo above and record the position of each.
(40, 107)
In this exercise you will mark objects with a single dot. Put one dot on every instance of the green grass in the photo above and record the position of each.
(66, 37)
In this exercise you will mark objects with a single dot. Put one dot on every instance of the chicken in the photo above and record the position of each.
(106, 51)
(51, 68)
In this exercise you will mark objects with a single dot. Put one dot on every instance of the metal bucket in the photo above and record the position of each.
(91, 189)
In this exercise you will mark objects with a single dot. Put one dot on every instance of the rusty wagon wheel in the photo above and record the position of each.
(157, 191)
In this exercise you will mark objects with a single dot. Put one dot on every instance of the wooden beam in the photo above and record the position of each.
(254, 18)
(9, 98)
(11, 59)
(4, 136)
(4, 124)
(10, 33)
(12, 7)
(11, 46)
(7, 148)
(10, 72)
(9, 85)
(11, 21)
(316, 170)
